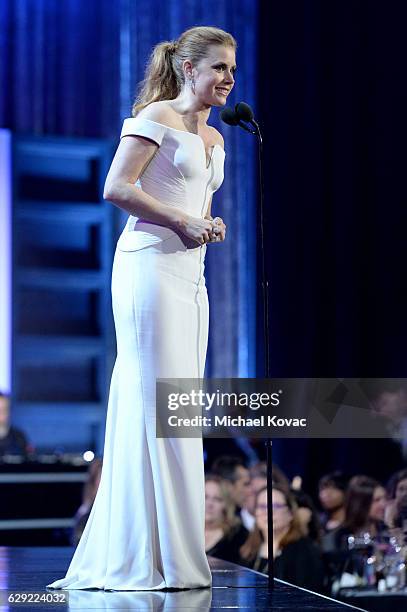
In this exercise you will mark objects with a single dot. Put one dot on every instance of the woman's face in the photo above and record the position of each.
(378, 505)
(214, 75)
(331, 498)
(401, 489)
(282, 515)
(214, 503)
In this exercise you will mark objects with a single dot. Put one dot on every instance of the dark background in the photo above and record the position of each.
(333, 105)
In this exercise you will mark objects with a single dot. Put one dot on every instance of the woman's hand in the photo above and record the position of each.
(200, 230)
(195, 228)
(218, 232)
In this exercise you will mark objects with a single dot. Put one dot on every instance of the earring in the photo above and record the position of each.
(191, 81)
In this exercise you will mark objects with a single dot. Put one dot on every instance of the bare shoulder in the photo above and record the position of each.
(161, 112)
(217, 136)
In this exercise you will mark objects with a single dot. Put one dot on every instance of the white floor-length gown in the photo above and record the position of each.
(146, 527)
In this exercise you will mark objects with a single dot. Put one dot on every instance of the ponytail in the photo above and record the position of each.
(161, 82)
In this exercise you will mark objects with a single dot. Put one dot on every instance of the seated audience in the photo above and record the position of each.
(396, 488)
(331, 493)
(365, 504)
(224, 532)
(296, 558)
(236, 476)
(12, 440)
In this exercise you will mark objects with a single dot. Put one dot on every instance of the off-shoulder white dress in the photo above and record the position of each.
(146, 527)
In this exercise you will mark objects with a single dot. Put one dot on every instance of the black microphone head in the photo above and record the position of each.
(229, 116)
(244, 112)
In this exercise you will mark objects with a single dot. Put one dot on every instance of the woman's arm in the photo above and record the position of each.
(133, 155)
(208, 213)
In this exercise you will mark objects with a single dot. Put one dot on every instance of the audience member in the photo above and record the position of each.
(236, 476)
(296, 557)
(224, 532)
(307, 515)
(258, 480)
(12, 440)
(396, 488)
(365, 504)
(331, 492)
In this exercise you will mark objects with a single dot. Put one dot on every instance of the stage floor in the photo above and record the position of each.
(30, 569)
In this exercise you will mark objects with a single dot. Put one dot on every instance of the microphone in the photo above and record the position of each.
(240, 114)
(229, 116)
(244, 112)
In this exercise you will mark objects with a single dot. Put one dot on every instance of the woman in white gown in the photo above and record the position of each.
(146, 527)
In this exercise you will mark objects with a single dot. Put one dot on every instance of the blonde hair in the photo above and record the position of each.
(229, 518)
(164, 75)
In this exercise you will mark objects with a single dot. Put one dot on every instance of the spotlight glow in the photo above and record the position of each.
(88, 456)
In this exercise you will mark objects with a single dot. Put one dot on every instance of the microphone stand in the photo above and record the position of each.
(238, 117)
(265, 295)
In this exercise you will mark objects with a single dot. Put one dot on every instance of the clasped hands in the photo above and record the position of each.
(218, 231)
(204, 230)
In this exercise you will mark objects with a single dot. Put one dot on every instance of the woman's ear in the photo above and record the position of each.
(187, 68)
